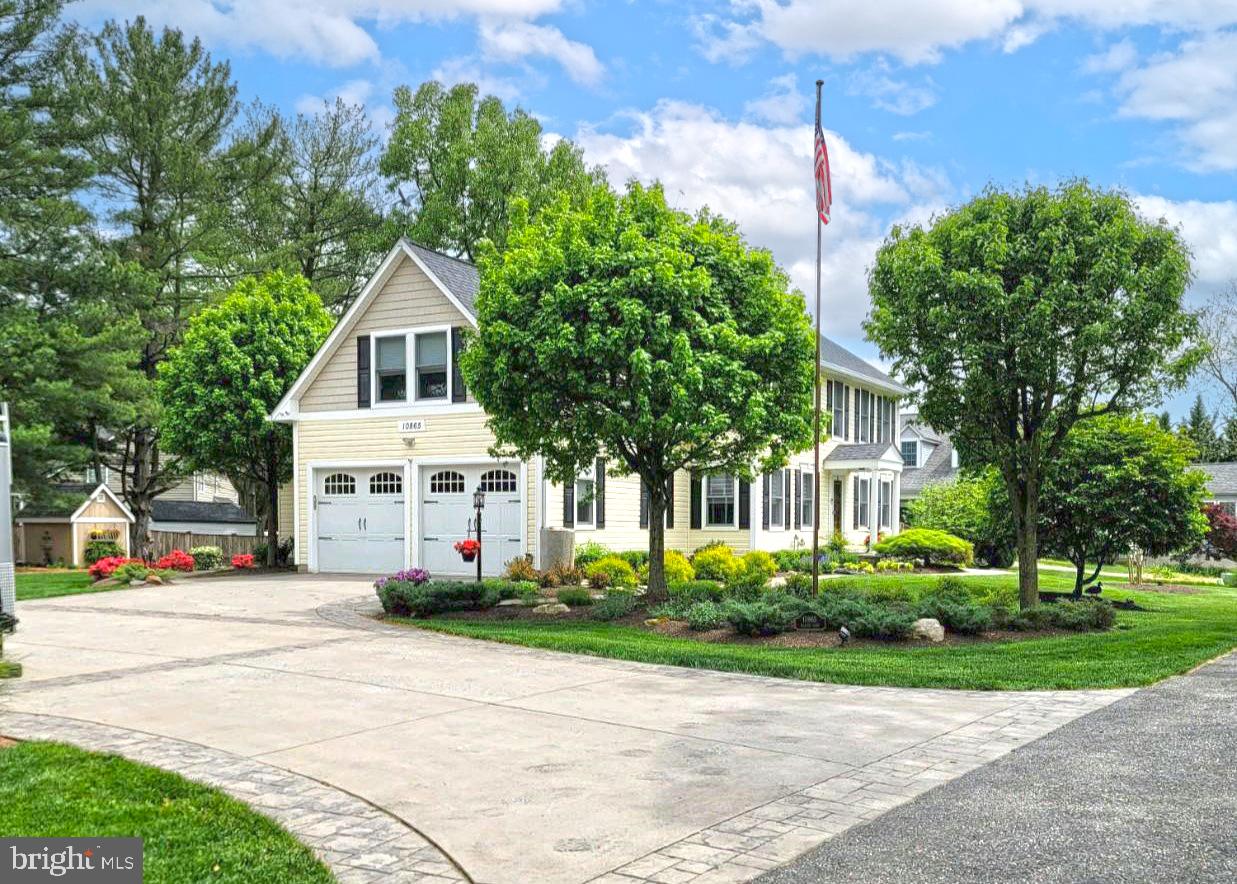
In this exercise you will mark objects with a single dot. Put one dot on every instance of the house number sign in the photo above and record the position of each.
(412, 425)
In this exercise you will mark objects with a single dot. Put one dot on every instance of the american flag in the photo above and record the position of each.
(824, 187)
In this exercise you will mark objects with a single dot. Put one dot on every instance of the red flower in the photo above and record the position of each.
(106, 567)
(176, 560)
(242, 560)
(467, 547)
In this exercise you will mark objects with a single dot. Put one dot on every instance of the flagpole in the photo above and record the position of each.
(816, 428)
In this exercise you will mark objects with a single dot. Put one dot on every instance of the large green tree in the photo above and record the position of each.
(626, 329)
(65, 360)
(456, 161)
(154, 112)
(237, 360)
(1120, 482)
(1020, 314)
(314, 207)
(1199, 427)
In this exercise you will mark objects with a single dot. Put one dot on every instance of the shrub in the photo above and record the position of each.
(675, 565)
(746, 585)
(930, 545)
(615, 605)
(206, 558)
(561, 575)
(524, 590)
(788, 559)
(757, 618)
(883, 621)
(1229, 578)
(715, 563)
(703, 616)
(963, 617)
(176, 560)
(837, 544)
(405, 599)
(242, 560)
(577, 597)
(589, 552)
(637, 558)
(798, 585)
(133, 571)
(1078, 616)
(409, 575)
(692, 591)
(521, 568)
(759, 562)
(712, 544)
(104, 568)
(102, 549)
(611, 571)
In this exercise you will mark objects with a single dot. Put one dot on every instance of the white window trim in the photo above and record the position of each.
(704, 503)
(589, 475)
(884, 502)
(808, 481)
(864, 499)
(410, 368)
(777, 480)
(902, 451)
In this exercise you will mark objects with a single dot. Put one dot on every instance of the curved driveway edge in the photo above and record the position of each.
(358, 841)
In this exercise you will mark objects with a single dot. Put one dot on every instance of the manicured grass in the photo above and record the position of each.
(1174, 634)
(190, 832)
(46, 584)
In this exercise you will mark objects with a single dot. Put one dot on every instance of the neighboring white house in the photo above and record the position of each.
(389, 446)
(927, 456)
(1221, 484)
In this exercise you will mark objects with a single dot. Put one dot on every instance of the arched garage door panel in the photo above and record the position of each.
(360, 520)
(446, 514)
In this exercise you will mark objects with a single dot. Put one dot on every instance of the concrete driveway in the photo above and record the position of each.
(522, 765)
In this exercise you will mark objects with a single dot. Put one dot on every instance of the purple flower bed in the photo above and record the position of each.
(415, 576)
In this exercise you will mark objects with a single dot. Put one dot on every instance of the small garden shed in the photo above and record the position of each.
(56, 531)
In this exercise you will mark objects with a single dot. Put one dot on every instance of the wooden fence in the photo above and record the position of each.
(163, 542)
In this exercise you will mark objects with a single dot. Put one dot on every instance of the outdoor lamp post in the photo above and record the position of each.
(478, 503)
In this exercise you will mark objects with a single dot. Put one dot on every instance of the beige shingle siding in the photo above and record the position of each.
(407, 300)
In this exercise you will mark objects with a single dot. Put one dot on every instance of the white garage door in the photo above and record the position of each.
(447, 514)
(360, 517)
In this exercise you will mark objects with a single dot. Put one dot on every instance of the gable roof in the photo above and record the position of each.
(68, 500)
(1221, 478)
(834, 355)
(457, 280)
(198, 511)
(865, 451)
(939, 467)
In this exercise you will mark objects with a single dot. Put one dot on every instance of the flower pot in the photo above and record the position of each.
(468, 557)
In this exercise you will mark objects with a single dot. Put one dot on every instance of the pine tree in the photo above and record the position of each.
(1200, 428)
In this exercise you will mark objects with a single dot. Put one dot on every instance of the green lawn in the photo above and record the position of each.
(46, 584)
(1174, 634)
(191, 832)
(9, 670)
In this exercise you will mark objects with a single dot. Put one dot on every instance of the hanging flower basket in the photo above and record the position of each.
(468, 549)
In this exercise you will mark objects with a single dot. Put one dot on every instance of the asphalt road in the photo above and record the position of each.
(1142, 790)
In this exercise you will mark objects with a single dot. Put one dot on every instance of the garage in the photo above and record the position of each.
(361, 521)
(446, 516)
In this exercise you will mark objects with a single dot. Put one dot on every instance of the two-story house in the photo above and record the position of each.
(928, 457)
(389, 447)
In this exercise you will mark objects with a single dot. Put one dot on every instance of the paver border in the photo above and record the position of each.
(360, 841)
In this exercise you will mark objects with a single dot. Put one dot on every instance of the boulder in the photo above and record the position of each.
(929, 629)
(551, 608)
(511, 603)
(155, 579)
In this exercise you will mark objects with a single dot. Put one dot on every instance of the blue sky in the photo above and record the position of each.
(925, 103)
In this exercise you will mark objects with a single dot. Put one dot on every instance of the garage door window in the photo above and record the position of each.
(339, 483)
(386, 483)
(447, 482)
(502, 481)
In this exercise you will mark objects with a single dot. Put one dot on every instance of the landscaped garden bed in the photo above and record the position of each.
(117, 572)
(190, 832)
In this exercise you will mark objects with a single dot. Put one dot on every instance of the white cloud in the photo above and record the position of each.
(1117, 57)
(1195, 87)
(469, 69)
(761, 177)
(917, 32)
(782, 103)
(329, 32)
(516, 40)
(1209, 229)
(887, 93)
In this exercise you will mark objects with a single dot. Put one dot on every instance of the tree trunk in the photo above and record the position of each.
(140, 496)
(272, 523)
(1080, 576)
(1025, 498)
(657, 590)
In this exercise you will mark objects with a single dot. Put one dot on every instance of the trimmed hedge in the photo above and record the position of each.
(404, 599)
(611, 571)
(932, 546)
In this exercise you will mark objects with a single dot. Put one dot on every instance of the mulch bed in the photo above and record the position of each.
(6, 743)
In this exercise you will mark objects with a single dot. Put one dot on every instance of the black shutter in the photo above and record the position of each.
(644, 505)
(745, 504)
(459, 393)
(670, 503)
(362, 371)
(599, 493)
(764, 509)
(696, 502)
(798, 499)
(569, 505)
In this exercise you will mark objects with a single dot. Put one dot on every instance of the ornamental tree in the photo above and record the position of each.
(1020, 315)
(1120, 482)
(237, 360)
(1220, 541)
(626, 328)
(971, 507)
